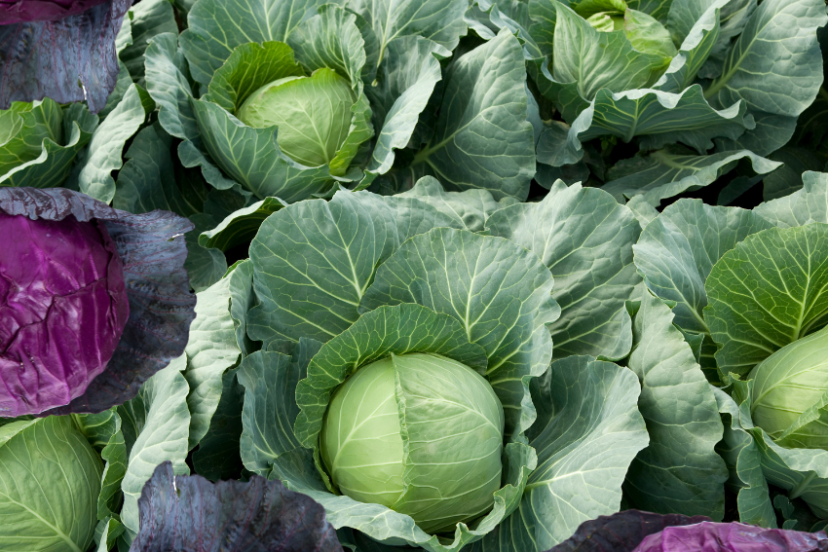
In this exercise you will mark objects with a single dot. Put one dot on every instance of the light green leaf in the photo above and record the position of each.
(656, 8)
(585, 239)
(469, 209)
(775, 65)
(106, 534)
(482, 137)
(587, 434)
(739, 451)
(313, 260)
(208, 41)
(678, 249)
(679, 471)
(106, 147)
(103, 431)
(211, 350)
(168, 82)
(767, 292)
(440, 21)
(50, 478)
(499, 291)
(161, 433)
(770, 133)
(405, 83)
(242, 300)
(810, 204)
(38, 151)
(667, 173)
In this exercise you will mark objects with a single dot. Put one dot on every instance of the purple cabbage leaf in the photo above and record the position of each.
(61, 49)
(191, 514)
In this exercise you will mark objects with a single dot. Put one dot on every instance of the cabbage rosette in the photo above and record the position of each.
(314, 96)
(749, 291)
(39, 142)
(399, 378)
(100, 303)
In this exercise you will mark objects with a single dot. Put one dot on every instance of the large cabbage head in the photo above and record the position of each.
(790, 393)
(389, 438)
(313, 114)
(93, 301)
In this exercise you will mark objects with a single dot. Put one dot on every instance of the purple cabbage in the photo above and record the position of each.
(21, 11)
(61, 49)
(98, 283)
(637, 531)
(191, 514)
(63, 307)
(732, 537)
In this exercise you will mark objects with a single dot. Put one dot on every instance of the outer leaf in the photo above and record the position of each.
(740, 452)
(482, 138)
(767, 292)
(500, 293)
(585, 239)
(810, 204)
(678, 249)
(49, 482)
(168, 82)
(667, 173)
(405, 83)
(438, 20)
(255, 516)
(775, 65)
(314, 260)
(147, 20)
(208, 42)
(787, 179)
(469, 209)
(242, 300)
(55, 55)
(588, 431)
(591, 60)
(211, 350)
(679, 471)
(770, 133)
(241, 226)
(104, 153)
(103, 431)
(660, 117)
(162, 438)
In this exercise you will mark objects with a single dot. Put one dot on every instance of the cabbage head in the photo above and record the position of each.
(93, 301)
(312, 114)
(790, 393)
(390, 439)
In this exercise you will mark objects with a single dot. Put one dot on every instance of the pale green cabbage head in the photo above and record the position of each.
(313, 114)
(389, 438)
(790, 393)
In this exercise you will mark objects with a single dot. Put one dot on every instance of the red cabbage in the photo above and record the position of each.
(19, 11)
(731, 537)
(63, 307)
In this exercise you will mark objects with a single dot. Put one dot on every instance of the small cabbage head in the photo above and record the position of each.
(313, 114)
(790, 393)
(391, 437)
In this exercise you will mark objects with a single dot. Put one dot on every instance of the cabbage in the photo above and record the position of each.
(17, 11)
(100, 303)
(313, 115)
(390, 438)
(63, 308)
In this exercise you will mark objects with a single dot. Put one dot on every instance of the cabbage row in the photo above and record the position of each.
(377, 275)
